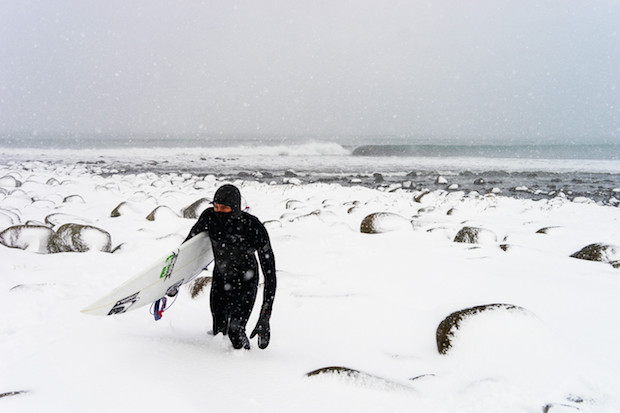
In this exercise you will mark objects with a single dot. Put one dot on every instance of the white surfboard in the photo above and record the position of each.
(177, 268)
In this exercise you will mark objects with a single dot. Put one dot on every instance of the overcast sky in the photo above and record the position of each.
(514, 69)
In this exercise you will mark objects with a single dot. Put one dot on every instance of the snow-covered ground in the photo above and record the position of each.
(368, 302)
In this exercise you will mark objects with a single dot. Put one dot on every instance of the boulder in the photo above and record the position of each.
(194, 210)
(74, 199)
(475, 235)
(448, 329)
(380, 222)
(335, 370)
(294, 204)
(360, 378)
(599, 252)
(421, 194)
(546, 230)
(80, 238)
(9, 181)
(27, 237)
(161, 212)
(13, 393)
(59, 218)
(198, 285)
(11, 216)
(123, 208)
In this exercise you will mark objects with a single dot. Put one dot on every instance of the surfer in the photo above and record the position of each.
(235, 237)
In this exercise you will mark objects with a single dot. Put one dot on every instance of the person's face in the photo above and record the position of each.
(222, 208)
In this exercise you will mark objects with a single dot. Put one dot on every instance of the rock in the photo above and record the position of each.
(479, 181)
(198, 285)
(274, 223)
(599, 252)
(359, 377)
(52, 182)
(161, 212)
(292, 181)
(13, 393)
(27, 237)
(59, 218)
(293, 204)
(119, 248)
(475, 235)
(453, 187)
(194, 210)
(80, 238)
(546, 230)
(335, 370)
(560, 408)
(9, 217)
(123, 208)
(440, 180)
(449, 327)
(290, 174)
(381, 222)
(74, 199)
(378, 177)
(10, 182)
(418, 197)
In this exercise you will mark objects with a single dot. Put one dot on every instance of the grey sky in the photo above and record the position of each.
(522, 69)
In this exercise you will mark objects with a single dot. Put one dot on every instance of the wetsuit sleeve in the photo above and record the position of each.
(268, 266)
(201, 225)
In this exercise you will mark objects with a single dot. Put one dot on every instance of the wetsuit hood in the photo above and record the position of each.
(228, 195)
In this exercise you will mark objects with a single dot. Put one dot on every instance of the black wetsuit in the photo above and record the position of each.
(235, 237)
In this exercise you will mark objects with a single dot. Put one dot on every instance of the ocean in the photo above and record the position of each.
(578, 172)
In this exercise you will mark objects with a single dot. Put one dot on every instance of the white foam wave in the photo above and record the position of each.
(304, 149)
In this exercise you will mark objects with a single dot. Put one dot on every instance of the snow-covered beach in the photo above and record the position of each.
(368, 304)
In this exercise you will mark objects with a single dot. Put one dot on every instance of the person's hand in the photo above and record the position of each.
(262, 329)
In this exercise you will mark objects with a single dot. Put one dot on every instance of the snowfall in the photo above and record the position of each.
(354, 325)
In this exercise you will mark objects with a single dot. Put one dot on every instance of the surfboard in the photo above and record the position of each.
(178, 267)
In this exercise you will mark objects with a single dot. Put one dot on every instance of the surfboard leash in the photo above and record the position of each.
(159, 306)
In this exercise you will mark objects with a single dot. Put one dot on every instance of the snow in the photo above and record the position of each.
(368, 302)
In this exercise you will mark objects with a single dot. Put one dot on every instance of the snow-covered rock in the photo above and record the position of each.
(380, 222)
(475, 235)
(27, 237)
(80, 238)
